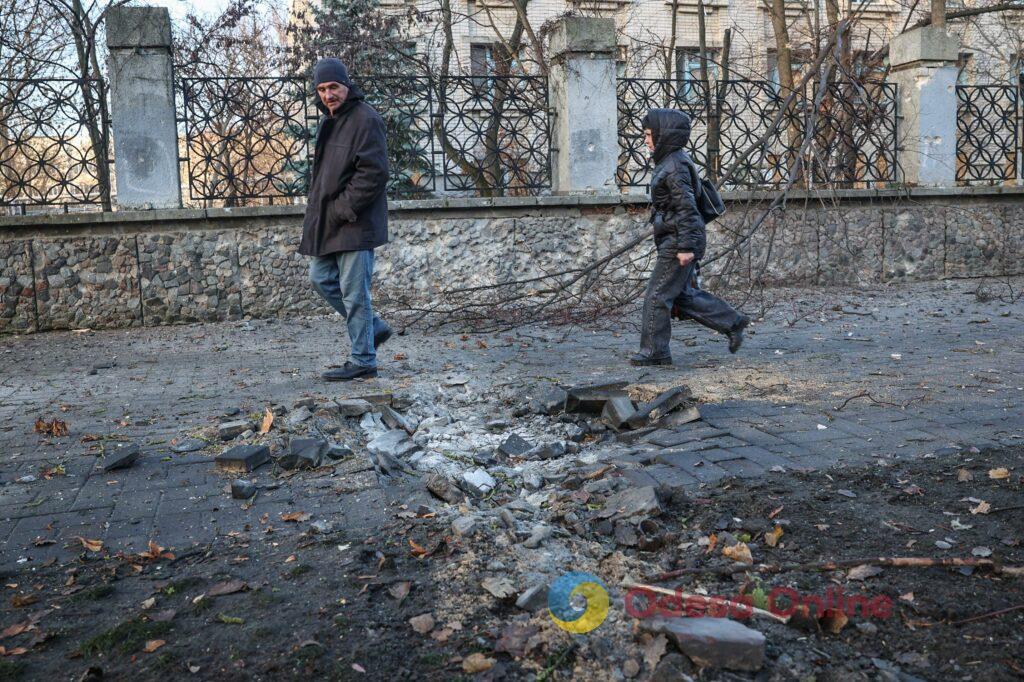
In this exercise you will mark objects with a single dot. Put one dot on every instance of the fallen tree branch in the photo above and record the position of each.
(876, 401)
(708, 600)
(895, 562)
(990, 614)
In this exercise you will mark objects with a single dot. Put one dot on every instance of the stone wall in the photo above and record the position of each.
(162, 267)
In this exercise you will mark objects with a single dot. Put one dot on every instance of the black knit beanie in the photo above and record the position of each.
(330, 70)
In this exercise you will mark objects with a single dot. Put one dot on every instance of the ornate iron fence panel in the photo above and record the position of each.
(407, 107)
(987, 124)
(47, 154)
(856, 135)
(496, 134)
(637, 96)
(247, 138)
(749, 113)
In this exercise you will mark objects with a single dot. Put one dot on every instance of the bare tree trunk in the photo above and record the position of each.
(715, 112)
(670, 54)
(95, 121)
(784, 60)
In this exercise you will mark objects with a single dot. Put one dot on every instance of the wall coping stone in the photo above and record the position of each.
(221, 218)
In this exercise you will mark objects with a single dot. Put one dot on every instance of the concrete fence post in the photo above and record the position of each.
(145, 133)
(924, 67)
(583, 95)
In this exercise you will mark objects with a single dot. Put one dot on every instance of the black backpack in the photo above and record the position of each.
(709, 201)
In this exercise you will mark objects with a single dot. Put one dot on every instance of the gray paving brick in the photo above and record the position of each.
(815, 436)
(754, 436)
(670, 477)
(763, 456)
(742, 467)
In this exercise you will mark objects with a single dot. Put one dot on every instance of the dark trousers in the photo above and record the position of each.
(672, 284)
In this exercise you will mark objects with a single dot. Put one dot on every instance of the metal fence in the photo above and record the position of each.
(755, 137)
(47, 145)
(250, 139)
(988, 121)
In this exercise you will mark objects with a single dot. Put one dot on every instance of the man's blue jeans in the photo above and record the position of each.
(343, 279)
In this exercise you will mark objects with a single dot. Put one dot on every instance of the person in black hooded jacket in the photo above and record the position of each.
(347, 212)
(680, 238)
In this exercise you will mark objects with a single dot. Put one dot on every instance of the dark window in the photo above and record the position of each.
(688, 71)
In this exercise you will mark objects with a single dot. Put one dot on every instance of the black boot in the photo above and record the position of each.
(644, 361)
(349, 372)
(736, 335)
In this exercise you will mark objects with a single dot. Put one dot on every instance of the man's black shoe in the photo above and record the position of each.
(644, 361)
(349, 372)
(736, 335)
(381, 337)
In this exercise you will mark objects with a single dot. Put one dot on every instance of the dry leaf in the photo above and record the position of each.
(296, 517)
(907, 597)
(400, 590)
(998, 474)
(775, 512)
(863, 572)
(739, 552)
(712, 541)
(963, 475)
(91, 545)
(16, 651)
(19, 601)
(227, 587)
(477, 663)
(291, 559)
(55, 427)
(149, 603)
(834, 621)
(268, 421)
(15, 629)
(771, 538)
(153, 644)
(401, 356)
(417, 550)
(982, 508)
(155, 552)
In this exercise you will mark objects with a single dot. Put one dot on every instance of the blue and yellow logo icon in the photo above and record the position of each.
(573, 618)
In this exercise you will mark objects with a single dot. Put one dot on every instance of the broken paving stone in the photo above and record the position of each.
(230, 430)
(534, 598)
(478, 482)
(497, 425)
(632, 502)
(626, 535)
(552, 400)
(304, 402)
(847, 493)
(422, 624)
(297, 417)
(394, 420)
(713, 642)
(188, 445)
(242, 489)
(514, 446)
(455, 380)
(395, 443)
(121, 456)
(303, 453)
(546, 451)
(499, 587)
(442, 488)
(665, 403)
(243, 458)
(353, 408)
(617, 412)
(680, 418)
(672, 667)
(593, 398)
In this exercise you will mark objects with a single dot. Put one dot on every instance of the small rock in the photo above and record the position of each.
(188, 445)
(229, 430)
(507, 518)
(309, 403)
(422, 624)
(713, 642)
(534, 598)
(395, 443)
(540, 533)
(632, 502)
(478, 481)
(847, 493)
(232, 411)
(121, 456)
(592, 398)
(353, 408)
(336, 451)
(533, 481)
(631, 668)
(243, 458)
(626, 535)
(942, 544)
(464, 526)
(514, 446)
(499, 587)
(322, 527)
(869, 629)
(546, 451)
(242, 489)
(497, 425)
(303, 453)
(455, 380)
(981, 552)
(26, 479)
(551, 401)
(394, 420)
(297, 417)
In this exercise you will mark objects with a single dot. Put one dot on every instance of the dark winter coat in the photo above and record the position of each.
(347, 208)
(678, 225)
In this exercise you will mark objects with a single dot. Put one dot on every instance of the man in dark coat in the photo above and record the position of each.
(680, 238)
(347, 212)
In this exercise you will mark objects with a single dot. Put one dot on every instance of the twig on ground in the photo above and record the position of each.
(709, 601)
(876, 401)
(990, 614)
